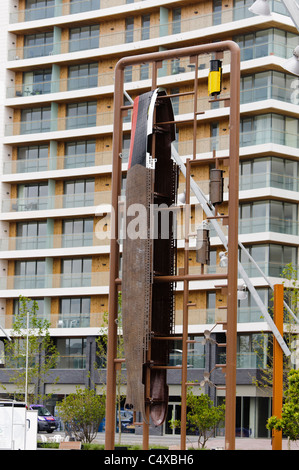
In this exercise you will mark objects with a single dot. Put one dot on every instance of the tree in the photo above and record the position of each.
(39, 353)
(264, 342)
(82, 413)
(289, 421)
(202, 417)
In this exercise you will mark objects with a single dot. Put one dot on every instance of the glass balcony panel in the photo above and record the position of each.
(71, 362)
(79, 6)
(65, 280)
(265, 224)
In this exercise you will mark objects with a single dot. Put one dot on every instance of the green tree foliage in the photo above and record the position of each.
(289, 421)
(82, 413)
(41, 353)
(202, 417)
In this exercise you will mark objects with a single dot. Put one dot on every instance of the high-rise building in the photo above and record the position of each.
(57, 82)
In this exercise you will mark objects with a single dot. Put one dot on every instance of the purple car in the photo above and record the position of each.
(45, 421)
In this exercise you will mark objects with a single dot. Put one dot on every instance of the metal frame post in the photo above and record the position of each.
(277, 366)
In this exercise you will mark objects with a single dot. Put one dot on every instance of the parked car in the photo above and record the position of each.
(126, 422)
(45, 421)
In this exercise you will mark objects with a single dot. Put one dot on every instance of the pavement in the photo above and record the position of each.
(217, 443)
(173, 441)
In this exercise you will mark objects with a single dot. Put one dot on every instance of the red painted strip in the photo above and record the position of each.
(133, 130)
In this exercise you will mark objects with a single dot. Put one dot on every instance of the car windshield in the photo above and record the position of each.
(41, 410)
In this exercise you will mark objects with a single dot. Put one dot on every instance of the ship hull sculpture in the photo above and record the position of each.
(147, 307)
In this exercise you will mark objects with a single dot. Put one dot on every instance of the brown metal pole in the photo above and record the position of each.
(185, 313)
(232, 282)
(277, 366)
(114, 267)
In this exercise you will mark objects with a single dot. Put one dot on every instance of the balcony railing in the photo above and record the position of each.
(62, 320)
(43, 242)
(56, 202)
(270, 268)
(59, 124)
(268, 224)
(57, 163)
(80, 6)
(268, 135)
(266, 180)
(197, 22)
(65, 280)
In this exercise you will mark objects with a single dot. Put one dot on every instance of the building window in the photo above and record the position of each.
(275, 128)
(145, 27)
(144, 71)
(84, 5)
(82, 76)
(76, 272)
(270, 41)
(77, 232)
(264, 216)
(35, 120)
(29, 274)
(17, 305)
(33, 158)
(31, 235)
(37, 45)
(38, 9)
(217, 7)
(176, 20)
(81, 115)
(271, 259)
(33, 196)
(74, 312)
(37, 82)
(267, 85)
(129, 29)
(79, 193)
(72, 353)
(80, 154)
(86, 37)
(248, 310)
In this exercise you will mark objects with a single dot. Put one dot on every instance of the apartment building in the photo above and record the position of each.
(57, 77)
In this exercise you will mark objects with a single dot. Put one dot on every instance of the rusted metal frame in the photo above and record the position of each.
(185, 313)
(233, 238)
(114, 269)
(232, 283)
(277, 366)
(183, 277)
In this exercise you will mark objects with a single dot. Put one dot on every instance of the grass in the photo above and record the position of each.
(91, 446)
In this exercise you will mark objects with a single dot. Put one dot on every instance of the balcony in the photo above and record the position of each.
(268, 224)
(59, 124)
(63, 320)
(65, 280)
(57, 163)
(52, 241)
(80, 6)
(267, 180)
(268, 135)
(197, 22)
(56, 202)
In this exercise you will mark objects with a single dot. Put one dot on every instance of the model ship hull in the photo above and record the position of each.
(149, 251)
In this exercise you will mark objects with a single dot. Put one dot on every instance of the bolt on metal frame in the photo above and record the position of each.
(156, 59)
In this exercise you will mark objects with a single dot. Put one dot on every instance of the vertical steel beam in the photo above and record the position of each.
(277, 366)
(185, 313)
(114, 267)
